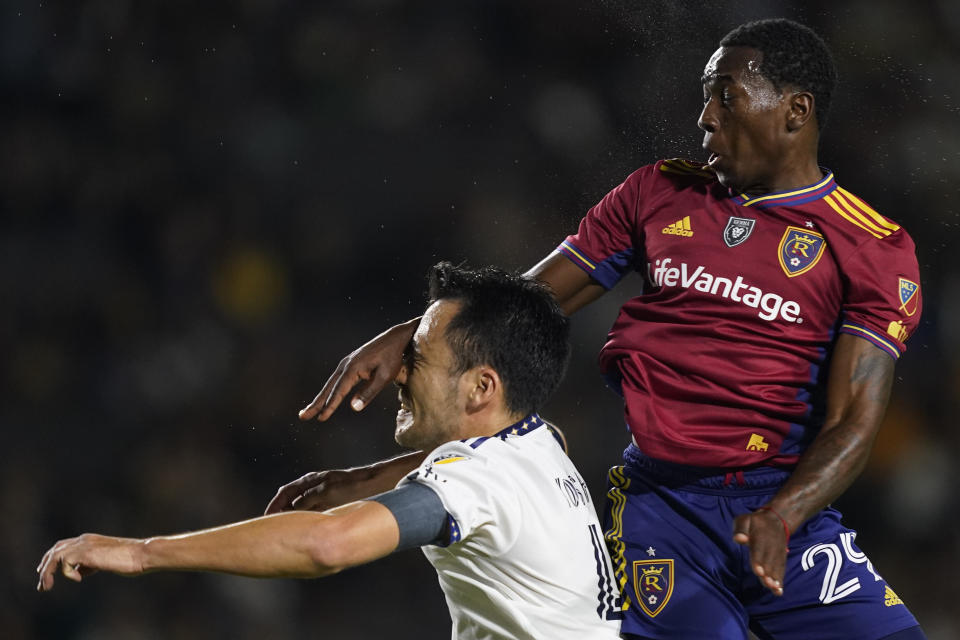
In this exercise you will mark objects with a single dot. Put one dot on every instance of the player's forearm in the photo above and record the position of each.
(831, 464)
(384, 475)
(282, 545)
(859, 388)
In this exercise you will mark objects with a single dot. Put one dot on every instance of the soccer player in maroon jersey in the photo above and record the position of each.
(755, 367)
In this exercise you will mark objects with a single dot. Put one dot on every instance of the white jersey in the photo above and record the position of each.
(525, 556)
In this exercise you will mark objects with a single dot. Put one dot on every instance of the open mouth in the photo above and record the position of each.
(714, 157)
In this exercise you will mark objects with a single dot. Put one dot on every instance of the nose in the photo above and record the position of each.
(708, 118)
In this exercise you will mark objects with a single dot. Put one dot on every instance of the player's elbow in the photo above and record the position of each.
(328, 551)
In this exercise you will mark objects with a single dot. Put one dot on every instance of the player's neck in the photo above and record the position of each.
(790, 175)
(491, 422)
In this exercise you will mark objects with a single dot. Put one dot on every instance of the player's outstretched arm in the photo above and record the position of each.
(857, 394)
(300, 544)
(321, 490)
(372, 366)
(375, 364)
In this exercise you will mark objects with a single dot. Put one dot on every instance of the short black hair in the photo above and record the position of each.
(508, 322)
(793, 55)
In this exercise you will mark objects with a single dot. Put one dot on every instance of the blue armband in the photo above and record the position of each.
(419, 512)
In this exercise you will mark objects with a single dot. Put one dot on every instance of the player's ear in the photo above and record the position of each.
(800, 110)
(483, 387)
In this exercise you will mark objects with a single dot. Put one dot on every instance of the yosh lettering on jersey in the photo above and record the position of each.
(769, 306)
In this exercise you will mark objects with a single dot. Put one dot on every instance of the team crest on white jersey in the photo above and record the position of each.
(737, 230)
(447, 458)
(800, 250)
(653, 584)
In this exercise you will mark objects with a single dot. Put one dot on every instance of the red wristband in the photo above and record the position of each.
(786, 529)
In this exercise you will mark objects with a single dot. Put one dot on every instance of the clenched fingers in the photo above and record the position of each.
(763, 534)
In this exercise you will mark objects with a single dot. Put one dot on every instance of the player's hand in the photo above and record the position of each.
(315, 491)
(763, 533)
(376, 363)
(80, 557)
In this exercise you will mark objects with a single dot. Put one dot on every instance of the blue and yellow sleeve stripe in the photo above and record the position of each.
(859, 213)
(608, 272)
(576, 256)
(873, 337)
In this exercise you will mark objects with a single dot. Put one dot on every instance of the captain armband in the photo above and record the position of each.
(420, 515)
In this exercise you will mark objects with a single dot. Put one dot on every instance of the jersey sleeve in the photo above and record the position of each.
(604, 243)
(883, 301)
(476, 496)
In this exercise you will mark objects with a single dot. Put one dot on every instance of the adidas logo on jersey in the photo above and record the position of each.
(769, 305)
(891, 599)
(679, 228)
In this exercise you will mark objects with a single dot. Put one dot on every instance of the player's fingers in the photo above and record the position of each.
(282, 500)
(288, 493)
(309, 411)
(339, 386)
(70, 569)
(45, 558)
(321, 399)
(776, 565)
(279, 502)
(368, 391)
(313, 500)
(47, 567)
(767, 555)
(741, 530)
(50, 560)
(45, 581)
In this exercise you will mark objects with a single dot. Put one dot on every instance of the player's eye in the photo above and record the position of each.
(411, 358)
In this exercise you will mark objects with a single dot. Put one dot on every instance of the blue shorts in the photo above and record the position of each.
(669, 529)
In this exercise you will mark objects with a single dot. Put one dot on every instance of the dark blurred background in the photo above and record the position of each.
(206, 205)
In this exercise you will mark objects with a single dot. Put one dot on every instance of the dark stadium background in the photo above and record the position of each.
(206, 205)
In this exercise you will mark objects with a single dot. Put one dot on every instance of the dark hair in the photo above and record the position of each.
(793, 55)
(508, 322)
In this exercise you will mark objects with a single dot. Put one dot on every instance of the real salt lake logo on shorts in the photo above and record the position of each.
(800, 250)
(653, 584)
(908, 296)
(737, 230)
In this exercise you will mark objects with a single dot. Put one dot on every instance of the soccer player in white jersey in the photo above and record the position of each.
(499, 509)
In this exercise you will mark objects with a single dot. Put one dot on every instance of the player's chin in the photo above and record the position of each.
(727, 177)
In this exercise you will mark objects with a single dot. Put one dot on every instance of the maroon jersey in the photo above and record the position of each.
(722, 360)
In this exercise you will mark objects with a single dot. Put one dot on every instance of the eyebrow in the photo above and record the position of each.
(414, 350)
(715, 77)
